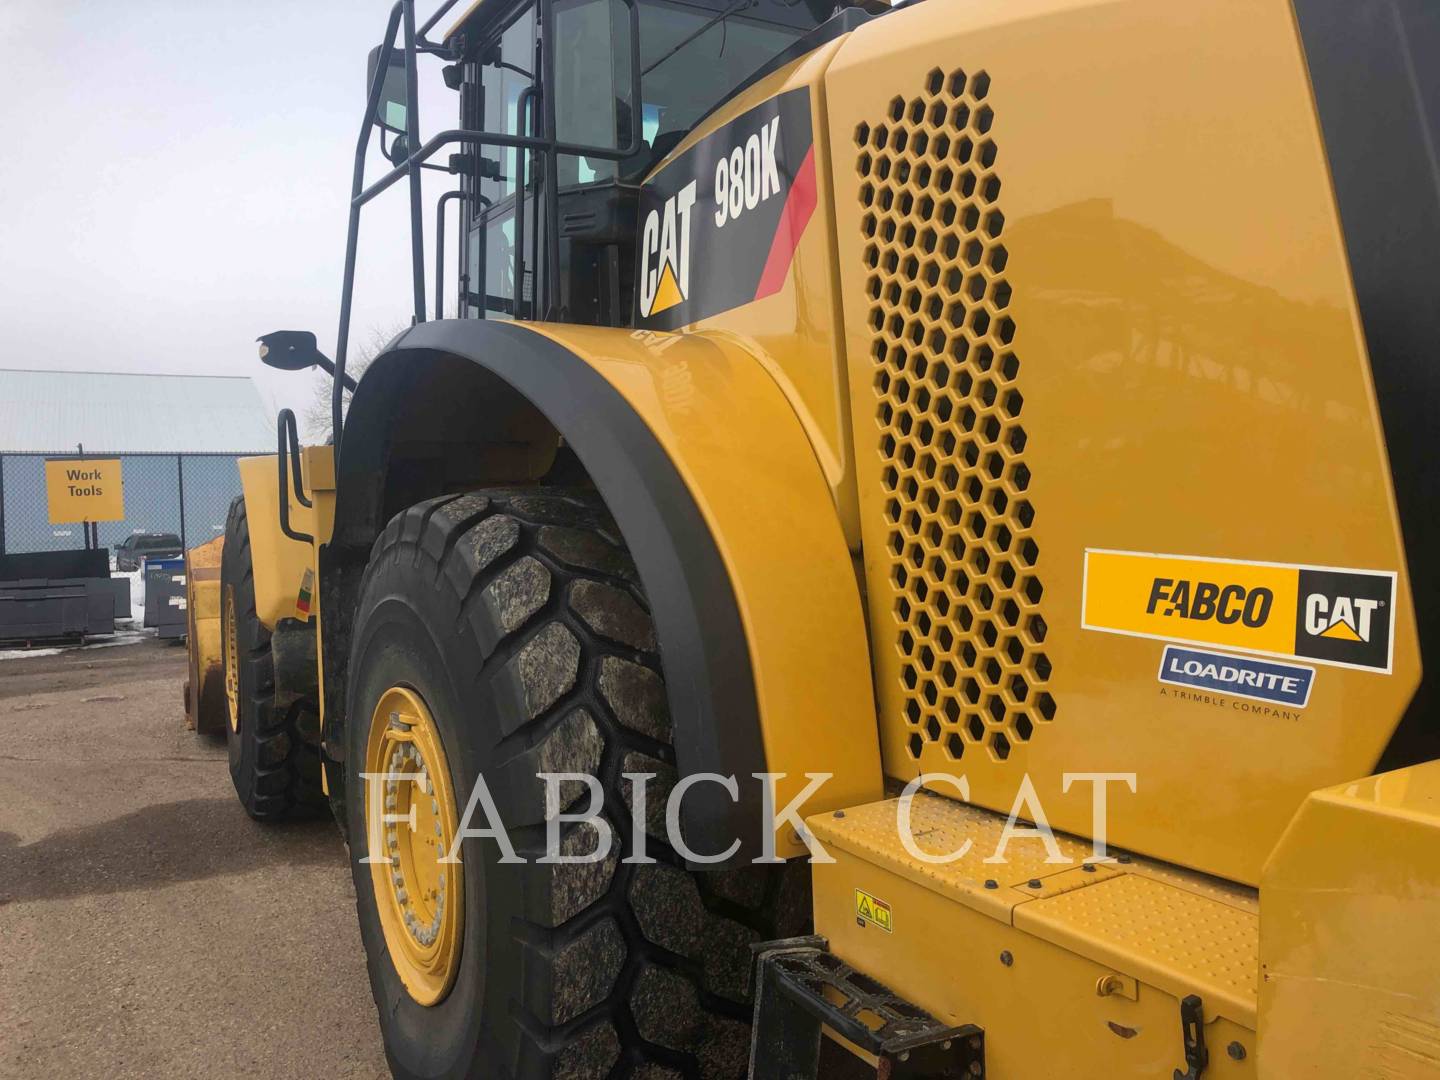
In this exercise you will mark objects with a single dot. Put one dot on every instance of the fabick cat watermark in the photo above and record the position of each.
(576, 799)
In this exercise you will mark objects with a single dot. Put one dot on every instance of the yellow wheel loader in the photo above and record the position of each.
(907, 557)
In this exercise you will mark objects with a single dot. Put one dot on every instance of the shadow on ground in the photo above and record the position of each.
(159, 845)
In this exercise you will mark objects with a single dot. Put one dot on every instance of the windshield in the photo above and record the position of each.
(691, 58)
(683, 79)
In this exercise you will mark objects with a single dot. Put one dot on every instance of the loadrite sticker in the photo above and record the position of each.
(720, 224)
(1240, 676)
(1326, 614)
(872, 910)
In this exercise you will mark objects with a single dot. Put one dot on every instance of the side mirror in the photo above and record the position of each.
(291, 350)
(390, 109)
(595, 62)
(397, 151)
(295, 350)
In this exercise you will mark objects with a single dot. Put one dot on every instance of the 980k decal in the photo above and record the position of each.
(719, 225)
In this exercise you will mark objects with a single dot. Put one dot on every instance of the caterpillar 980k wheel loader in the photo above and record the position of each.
(910, 553)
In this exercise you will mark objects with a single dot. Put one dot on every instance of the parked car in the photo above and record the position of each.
(137, 546)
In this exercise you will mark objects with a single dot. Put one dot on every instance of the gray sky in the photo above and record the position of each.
(174, 178)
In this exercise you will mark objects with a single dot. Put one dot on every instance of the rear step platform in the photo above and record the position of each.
(801, 985)
(1136, 966)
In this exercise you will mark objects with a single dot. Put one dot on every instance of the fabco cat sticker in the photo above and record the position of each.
(719, 225)
(1330, 615)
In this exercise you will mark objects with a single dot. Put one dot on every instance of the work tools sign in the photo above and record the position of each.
(1330, 615)
(86, 490)
(719, 225)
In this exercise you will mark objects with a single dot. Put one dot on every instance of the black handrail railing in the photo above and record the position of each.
(429, 24)
(403, 14)
(440, 250)
(352, 232)
(412, 139)
(288, 454)
(524, 121)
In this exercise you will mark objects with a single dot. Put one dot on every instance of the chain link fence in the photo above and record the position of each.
(185, 494)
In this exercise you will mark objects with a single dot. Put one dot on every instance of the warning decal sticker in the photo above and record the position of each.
(872, 910)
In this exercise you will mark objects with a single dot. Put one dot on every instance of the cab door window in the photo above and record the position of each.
(507, 74)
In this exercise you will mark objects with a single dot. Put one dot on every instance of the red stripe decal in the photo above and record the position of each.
(799, 205)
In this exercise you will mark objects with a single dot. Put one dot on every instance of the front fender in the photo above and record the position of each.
(278, 563)
(728, 517)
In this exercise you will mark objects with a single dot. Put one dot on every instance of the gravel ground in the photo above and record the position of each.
(147, 926)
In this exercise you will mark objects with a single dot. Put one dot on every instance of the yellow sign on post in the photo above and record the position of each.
(84, 490)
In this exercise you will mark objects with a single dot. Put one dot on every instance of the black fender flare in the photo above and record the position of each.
(709, 677)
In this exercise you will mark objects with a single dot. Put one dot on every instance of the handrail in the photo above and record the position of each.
(403, 14)
(429, 24)
(440, 250)
(412, 137)
(352, 232)
(488, 138)
(524, 121)
(288, 437)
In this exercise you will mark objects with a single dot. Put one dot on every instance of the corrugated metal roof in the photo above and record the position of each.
(117, 412)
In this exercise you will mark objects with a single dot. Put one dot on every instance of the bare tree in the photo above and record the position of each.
(316, 418)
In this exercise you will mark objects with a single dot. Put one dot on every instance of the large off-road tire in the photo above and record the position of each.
(500, 634)
(272, 738)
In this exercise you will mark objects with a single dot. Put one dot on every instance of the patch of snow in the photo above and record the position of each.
(122, 637)
(136, 616)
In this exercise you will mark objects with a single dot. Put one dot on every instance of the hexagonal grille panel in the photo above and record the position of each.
(958, 516)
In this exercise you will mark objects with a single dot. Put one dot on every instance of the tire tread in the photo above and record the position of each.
(545, 588)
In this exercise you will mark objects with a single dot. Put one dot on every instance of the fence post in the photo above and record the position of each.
(84, 525)
(180, 475)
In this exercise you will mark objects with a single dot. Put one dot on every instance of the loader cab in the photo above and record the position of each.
(552, 237)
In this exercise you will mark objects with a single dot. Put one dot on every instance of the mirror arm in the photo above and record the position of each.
(328, 366)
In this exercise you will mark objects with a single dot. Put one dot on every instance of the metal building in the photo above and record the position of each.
(177, 438)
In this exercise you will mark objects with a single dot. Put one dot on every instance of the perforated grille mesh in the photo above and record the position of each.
(966, 594)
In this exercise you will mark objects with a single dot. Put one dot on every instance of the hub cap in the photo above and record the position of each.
(420, 898)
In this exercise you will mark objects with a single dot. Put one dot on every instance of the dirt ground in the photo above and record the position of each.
(147, 926)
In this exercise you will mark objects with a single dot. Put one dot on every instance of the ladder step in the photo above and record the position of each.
(801, 985)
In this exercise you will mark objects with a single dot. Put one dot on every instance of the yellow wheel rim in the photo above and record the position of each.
(420, 898)
(232, 661)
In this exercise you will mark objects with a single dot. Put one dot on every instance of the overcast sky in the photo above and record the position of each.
(174, 178)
